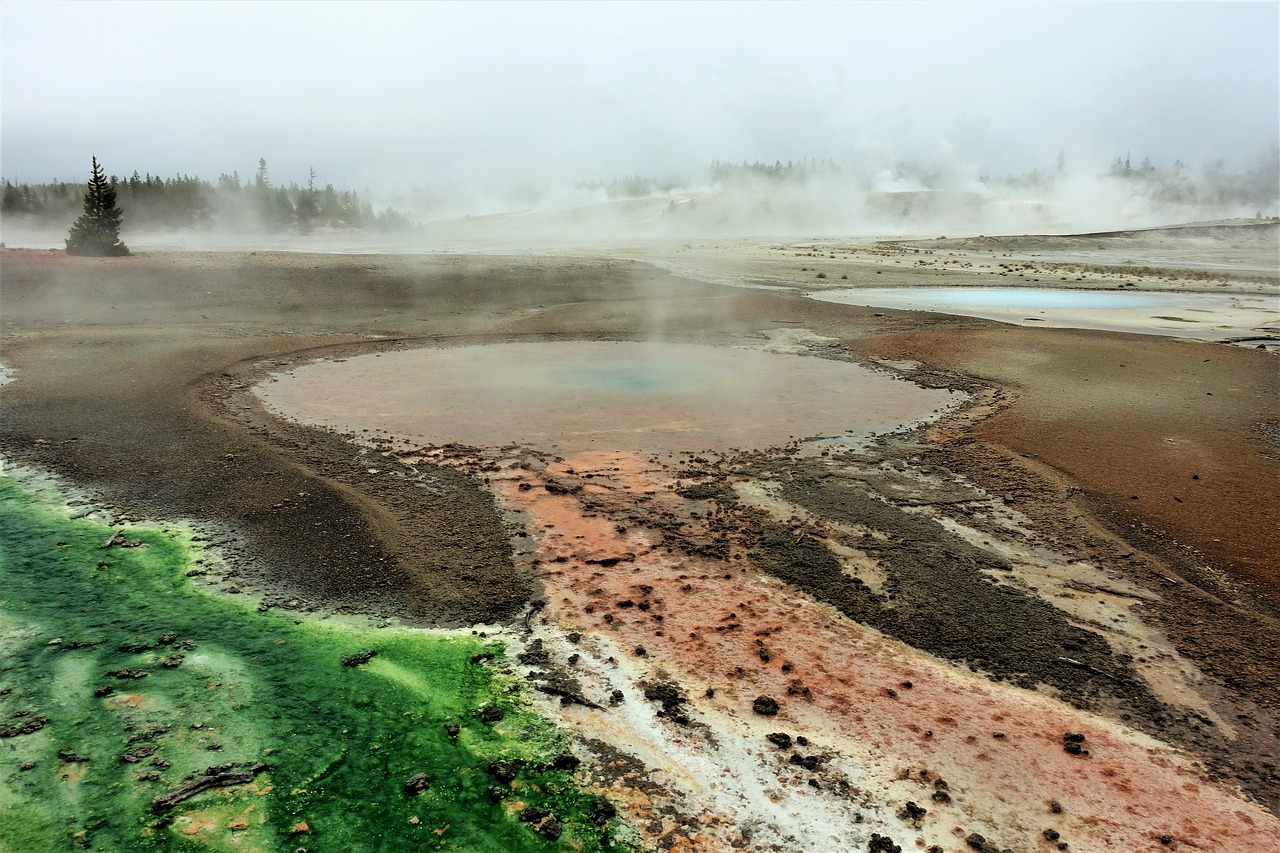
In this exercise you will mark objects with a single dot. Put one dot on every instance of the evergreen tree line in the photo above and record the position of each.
(1210, 185)
(1213, 184)
(723, 172)
(184, 202)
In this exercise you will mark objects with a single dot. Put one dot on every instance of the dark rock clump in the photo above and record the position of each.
(882, 844)
(666, 693)
(416, 784)
(504, 770)
(26, 727)
(359, 658)
(912, 812)
(602, 811)
(533, 655)
(765, 705)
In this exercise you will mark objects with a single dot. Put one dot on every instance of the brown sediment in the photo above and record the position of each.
(1203, 471)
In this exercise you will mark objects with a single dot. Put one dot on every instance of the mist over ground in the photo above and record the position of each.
(625, 120)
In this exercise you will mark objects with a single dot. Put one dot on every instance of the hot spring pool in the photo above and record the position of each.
(599, 395)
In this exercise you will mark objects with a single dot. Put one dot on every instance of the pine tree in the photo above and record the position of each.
(97, 231)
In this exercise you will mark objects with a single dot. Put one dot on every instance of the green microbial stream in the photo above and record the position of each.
(85, 754)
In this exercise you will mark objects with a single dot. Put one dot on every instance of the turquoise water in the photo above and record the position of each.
(943, 298)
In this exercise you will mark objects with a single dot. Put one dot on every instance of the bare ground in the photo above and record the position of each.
(1153, 460)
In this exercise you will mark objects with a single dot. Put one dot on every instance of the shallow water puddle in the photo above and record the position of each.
(583, 395)
(1210, 316)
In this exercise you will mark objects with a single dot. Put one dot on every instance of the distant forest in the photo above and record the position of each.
(151, 202)
(256, 204)
(1210, 185)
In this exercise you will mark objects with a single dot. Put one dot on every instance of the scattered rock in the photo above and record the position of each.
(504, 770)
(551, 828)
(535, 654)
(602, 811)
(882, 844)
(566, 761)
(26, 727)
(416, 784)
(666, 693)
(359, 658)
(492, 713)
(128, 673)
(1073, 744)
(133, 756)
(452, 729)
(531, 814)
(204, 783)
(782, 740)
(765, 706)
(912, 812)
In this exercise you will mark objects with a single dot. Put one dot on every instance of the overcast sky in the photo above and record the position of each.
(435, 94)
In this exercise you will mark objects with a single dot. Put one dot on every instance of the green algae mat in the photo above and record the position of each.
(139, 712)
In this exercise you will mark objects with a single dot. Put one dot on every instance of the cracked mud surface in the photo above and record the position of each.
(996, 562)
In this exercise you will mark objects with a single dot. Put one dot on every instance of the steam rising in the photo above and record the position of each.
(971, 117)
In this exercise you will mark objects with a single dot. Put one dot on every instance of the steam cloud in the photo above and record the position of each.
(525, 117)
